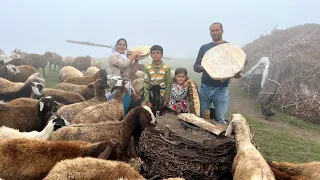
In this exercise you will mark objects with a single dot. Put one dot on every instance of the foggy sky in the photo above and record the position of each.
(180, 26)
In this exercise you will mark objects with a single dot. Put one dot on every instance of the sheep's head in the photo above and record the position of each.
(1, 63)
(48, 54)
(57, 122)
(37, 88)
(147, 118)
(88, 57)
(12, 69)
(47, 103)
(35, 77)
(236, 119)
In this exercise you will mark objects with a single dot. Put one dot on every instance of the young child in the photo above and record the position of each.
(178, 100)
(157, 73)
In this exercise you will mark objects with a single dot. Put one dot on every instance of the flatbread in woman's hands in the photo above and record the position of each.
(144, 49)
(223, 61)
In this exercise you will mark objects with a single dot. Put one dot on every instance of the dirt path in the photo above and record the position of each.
(239, 103)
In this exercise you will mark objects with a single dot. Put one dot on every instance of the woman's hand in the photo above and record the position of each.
(136, 54)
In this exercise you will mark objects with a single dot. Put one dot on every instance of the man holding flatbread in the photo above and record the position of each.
(213, 91)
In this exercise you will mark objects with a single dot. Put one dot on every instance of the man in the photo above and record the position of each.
(213, 91)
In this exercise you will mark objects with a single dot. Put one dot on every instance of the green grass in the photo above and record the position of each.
(52, 78)
(283, 138)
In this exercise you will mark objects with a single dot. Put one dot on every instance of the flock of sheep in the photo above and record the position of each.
(71, 131)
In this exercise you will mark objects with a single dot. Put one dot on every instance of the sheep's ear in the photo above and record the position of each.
(106, 153)
(41, 105)
(91, 85)
(36, 91)
(229, 129)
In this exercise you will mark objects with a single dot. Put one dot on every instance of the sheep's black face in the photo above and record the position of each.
(59, 122)
(1, 63)
(47, 103)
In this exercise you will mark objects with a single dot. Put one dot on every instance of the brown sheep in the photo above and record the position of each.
(25, 72)
(8, 86)
(291, 171)
(55, 60)
(111, 110)
(26, 118)
(86, 91)
(68, 71)
(133, 124)
(92, 168)
(248, 163)
(33, 102)
(38, 60)
(33, 159)
(67, 61)
(91, 71)
(82, 63)
(63, 97)
(85, 80)
(69, 111)
(16, 62)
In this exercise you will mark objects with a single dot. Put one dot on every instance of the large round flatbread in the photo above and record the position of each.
(223, 61)
(144, 49)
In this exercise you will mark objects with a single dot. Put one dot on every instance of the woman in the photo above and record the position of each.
(119, 63)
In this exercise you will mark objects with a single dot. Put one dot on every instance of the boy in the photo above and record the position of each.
(157, 73)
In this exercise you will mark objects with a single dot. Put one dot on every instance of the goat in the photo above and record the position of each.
(155, 97)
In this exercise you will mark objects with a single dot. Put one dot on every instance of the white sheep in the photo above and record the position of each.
(54, 124)
(248, 163)
(68, 71)
(91, 71)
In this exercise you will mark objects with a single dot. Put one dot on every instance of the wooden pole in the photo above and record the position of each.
(98, 45)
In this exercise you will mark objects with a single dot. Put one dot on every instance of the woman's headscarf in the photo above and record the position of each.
(114, 49)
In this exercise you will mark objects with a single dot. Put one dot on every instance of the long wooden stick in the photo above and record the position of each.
(99, 45)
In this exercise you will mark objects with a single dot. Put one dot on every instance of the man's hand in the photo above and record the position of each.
(238, 75)
(201, 67)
